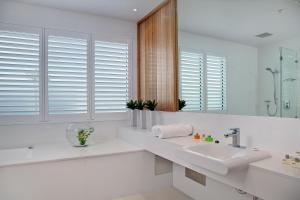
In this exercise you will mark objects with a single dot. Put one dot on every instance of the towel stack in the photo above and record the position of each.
(172, 130)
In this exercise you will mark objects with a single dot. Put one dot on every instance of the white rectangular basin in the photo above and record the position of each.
(221, 158)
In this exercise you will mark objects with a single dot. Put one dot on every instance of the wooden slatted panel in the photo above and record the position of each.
(157, 57)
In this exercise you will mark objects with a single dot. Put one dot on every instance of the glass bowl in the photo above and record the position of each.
(79, 135)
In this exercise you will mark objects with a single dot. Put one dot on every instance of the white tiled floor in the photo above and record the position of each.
(165, 194)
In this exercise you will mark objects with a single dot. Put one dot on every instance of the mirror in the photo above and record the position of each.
(240, 57)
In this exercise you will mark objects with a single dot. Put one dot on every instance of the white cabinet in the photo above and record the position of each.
(213, 190)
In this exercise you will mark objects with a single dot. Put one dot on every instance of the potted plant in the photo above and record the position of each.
(132, 105)
(150, 105)
(79, 134)
(82, 136)
(181, 104)
(141, 118)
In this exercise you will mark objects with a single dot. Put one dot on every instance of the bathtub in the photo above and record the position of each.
(105, 171)
(13, 155)
(61, 151)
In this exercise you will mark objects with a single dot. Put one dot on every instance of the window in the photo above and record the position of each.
(67, 75)
(216, 83)
(191, 80)
(203, 81)
(19, 72)
(60, 75)
(111, 77)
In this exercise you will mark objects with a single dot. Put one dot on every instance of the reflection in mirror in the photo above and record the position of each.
(240, 56)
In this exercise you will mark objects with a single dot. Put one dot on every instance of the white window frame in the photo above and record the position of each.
(27, 118)
(113, 39)
(65, 117)
(91, 116)
(205, 53)
(205, 75)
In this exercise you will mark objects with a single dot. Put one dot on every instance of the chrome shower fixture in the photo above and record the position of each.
(274, 72)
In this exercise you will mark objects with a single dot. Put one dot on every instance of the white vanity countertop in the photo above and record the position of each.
(260, 178)
(63, 151)
(273, 164)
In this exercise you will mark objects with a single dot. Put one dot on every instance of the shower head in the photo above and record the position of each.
(272, 71)
(269, 69)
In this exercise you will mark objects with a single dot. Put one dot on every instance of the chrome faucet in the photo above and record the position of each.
(235, 134)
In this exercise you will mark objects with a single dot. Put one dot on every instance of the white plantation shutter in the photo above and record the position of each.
(216, 83)
(191, 80)
(67, 75)
(60, 75)
(111, 77)
(19, 72)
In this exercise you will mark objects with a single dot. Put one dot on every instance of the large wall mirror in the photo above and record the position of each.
(240, 57)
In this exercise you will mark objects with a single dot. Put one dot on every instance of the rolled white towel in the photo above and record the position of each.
(172, 130)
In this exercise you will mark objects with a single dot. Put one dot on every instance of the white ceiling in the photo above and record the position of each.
(241, 20)
(122, 9)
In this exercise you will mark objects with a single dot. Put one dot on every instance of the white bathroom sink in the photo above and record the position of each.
(221, 158)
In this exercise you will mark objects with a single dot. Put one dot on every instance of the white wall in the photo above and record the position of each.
(242, 69)
(18, 13)
(22, 135)
(275, 134)
(102, 27)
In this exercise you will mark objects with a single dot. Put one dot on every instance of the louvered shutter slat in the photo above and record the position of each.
(19, 73)
(216, 83)
(111, 77)
(191, 80)
(67, 75)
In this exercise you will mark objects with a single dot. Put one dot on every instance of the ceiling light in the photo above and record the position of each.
(134, 10)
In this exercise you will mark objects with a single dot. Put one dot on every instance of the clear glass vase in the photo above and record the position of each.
(79, 135)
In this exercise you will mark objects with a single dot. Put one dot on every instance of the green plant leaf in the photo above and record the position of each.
(150, 105)
(181, 104)
(131, 104)
(140, 104)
